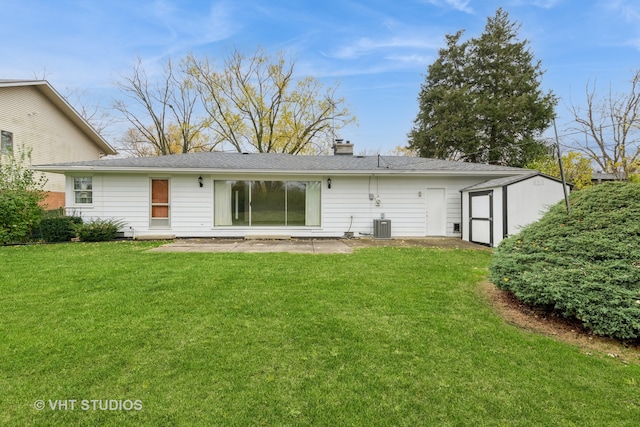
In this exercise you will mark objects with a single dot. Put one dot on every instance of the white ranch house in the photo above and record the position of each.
(274, 195)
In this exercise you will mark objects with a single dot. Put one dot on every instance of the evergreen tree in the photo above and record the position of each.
(482, 101)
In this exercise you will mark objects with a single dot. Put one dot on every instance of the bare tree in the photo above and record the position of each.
(96, 115)
(611, 129)
(255, 103)
(42, 76)
(163, 114)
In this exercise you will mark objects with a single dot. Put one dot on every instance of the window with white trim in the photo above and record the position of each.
(6, 142)
(83, 190)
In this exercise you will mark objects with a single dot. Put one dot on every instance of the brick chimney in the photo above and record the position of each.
(342, 148)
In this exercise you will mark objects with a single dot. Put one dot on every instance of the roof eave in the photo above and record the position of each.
(59, 101)
(335, 172)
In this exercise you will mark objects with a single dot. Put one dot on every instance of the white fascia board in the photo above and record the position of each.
(262, 172)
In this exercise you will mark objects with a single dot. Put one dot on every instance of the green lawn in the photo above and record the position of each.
(382, 337)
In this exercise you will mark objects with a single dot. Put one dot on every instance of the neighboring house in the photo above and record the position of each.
(600, 177)
(498, 208)
(35, 117)
(273, 195)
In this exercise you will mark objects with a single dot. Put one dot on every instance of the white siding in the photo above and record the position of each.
(528, 200)
(191, 205)
(121, 197)
(346, 206)
(402, 200)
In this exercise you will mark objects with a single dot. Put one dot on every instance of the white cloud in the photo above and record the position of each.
(546, 4)
(365, 46)
(626, 16)
(628, 10)
(543, 4)
(412, 59)
(461, 5)
(635, 43)
(185, 28)
(320, 69)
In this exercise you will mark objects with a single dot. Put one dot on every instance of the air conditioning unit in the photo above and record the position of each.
(382, 228)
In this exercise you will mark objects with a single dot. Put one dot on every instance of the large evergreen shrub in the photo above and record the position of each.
(585, 265)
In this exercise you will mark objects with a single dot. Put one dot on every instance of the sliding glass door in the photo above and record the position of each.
(240, 191)
(267, 203)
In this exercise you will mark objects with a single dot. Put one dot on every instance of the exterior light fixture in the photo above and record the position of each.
(328, 182)
(200, 181)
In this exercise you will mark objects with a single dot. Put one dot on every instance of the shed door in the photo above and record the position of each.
(436, 212)
(481, 217)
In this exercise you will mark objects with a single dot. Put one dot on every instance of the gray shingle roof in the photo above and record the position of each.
(277, 162)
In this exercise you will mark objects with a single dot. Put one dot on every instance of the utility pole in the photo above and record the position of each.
(564, 182)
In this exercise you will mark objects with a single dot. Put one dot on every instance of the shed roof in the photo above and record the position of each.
(508, 180)
(208, 162)
(61, 103)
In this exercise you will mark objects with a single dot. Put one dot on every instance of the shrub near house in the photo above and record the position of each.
(585, 265)
(57, 228)
(98, 230)
(20, 197)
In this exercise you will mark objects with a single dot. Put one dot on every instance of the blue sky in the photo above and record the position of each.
(377, 51)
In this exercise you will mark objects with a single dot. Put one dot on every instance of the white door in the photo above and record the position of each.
(436, 212)
(481, 217)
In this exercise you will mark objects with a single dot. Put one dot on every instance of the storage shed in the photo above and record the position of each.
(495, 209)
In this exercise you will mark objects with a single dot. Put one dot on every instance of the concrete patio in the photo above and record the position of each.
(307, 246)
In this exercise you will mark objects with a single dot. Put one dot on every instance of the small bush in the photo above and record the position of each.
(98, 230)
(585, 265)
(59, 228)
